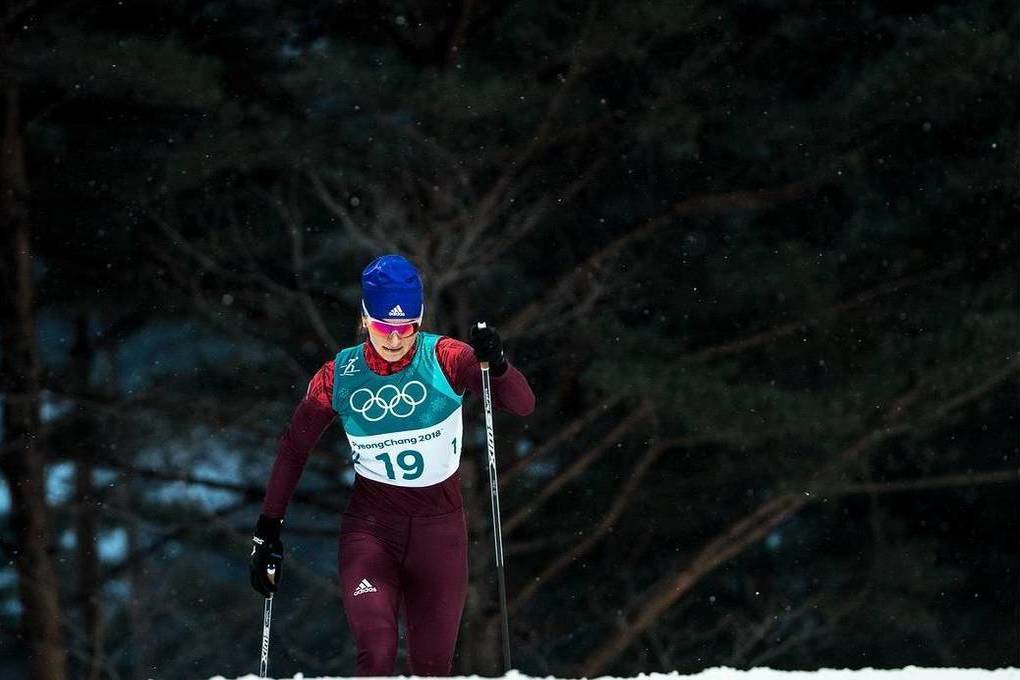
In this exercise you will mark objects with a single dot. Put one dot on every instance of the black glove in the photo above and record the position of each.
(266, 555)
(488, 347)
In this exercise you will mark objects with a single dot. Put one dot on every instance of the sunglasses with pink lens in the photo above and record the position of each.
(401, 329)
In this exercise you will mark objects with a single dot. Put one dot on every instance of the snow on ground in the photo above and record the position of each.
(908, 673)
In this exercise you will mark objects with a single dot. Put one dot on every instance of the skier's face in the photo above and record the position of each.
(390, 346)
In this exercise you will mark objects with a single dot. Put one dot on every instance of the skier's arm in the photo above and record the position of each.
(510, 390)
(311, 417)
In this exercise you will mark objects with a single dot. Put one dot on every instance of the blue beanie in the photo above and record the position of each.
(391, 290)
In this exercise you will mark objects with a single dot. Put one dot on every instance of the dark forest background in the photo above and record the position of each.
(758, 259)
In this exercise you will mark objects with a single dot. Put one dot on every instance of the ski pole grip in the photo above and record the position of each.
(484, 364)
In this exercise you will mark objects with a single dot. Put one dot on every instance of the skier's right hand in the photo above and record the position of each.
(266, 555)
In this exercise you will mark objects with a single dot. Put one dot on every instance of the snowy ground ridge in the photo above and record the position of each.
(908, 673)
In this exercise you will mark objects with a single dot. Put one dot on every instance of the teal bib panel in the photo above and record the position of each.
(404, 429)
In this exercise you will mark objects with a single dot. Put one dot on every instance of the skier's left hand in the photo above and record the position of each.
(488, 347)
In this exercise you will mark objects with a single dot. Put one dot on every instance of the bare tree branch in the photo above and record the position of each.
(191, 280)
(844, 609)
(858, 300)
(459, 34)
(927, 483)
(575, 469)
(483, 216)
(567, 432)
(758, 523)
(520, 224)
(560, 293)
(293, 224)
(623, 498)
(357, 232)
(248, 492)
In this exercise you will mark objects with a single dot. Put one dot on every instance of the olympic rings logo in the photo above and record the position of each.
(373, 406)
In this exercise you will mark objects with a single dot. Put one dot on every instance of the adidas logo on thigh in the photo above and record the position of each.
(364, 587)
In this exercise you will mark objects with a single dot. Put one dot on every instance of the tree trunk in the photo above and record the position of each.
(20, 462)
(82, 358)
(88, 569)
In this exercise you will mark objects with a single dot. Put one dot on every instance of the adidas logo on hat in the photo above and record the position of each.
(364, 587)
(396, 311)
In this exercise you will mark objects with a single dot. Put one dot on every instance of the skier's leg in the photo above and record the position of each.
(435, 585)
(370, 589)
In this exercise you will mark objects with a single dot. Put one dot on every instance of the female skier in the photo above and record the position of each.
(403, 536)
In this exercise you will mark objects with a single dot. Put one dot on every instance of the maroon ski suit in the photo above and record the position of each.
(400, 547)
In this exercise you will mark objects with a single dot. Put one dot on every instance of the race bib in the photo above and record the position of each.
(419, 457)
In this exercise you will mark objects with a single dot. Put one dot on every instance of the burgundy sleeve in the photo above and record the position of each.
(510, 391)
(311, 418)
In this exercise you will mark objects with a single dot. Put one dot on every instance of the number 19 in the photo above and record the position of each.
(411, 463)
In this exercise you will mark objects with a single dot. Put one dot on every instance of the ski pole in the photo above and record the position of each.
(267, 616)
(497, 531)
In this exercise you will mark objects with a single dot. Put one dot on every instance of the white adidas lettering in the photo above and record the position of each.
(364, 587)
(396, 311)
